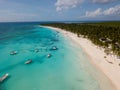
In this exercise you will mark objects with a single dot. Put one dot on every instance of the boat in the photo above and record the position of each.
(28, 61)
(49, 55)
(4, 77)
(36, 50)
(13, 52)
(54, 48)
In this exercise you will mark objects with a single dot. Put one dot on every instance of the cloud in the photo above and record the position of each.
(93, 13)
(112, 11)
(103, 1)
(66, 4)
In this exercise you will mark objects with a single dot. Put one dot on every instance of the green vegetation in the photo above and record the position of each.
(117, 23)
(103, 34)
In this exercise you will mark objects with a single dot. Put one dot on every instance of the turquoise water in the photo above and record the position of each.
(62, 71)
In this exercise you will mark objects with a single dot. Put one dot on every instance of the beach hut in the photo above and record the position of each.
(105, 40)
(117, 45)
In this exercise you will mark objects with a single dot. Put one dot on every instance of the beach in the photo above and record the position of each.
(107, 64)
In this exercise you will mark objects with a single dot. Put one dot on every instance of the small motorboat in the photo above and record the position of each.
(28, 61)
(49, 55)
(54, 48)
(36, 50)
(4, 77)
(13, 52)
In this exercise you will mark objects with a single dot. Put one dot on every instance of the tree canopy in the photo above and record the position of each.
(103, 34)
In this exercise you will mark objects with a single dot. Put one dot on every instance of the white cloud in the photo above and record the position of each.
(66, 4)
(103, 1)
(93, 13)
(113, 11)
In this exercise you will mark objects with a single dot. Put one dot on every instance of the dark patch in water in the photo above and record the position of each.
(1, 87)
(40, 59)
(10, 67)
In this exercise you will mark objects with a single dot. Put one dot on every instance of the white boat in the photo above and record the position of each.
(49, 55)
(36, 50)
(28, 62)
(54, 48)
(4, 77)
(13, 52)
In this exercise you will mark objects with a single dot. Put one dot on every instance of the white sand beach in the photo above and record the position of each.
(109, 65)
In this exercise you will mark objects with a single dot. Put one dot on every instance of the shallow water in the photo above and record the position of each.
(64, 70)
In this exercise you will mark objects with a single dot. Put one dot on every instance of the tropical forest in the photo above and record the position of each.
(102, 34)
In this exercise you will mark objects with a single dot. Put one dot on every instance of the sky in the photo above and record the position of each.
(59, 10)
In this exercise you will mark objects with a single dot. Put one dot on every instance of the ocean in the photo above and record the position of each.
(63, 70)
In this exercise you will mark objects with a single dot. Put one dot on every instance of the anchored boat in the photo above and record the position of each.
(13, 52)
(28, 62)
(4, 77)
(49, 55)
(54, 48)
(36, 50)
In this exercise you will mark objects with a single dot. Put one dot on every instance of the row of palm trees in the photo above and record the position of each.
(107, 36)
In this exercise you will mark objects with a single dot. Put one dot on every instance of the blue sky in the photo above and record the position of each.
(59, 10)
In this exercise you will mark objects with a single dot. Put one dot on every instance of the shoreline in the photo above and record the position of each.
(108, 66)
